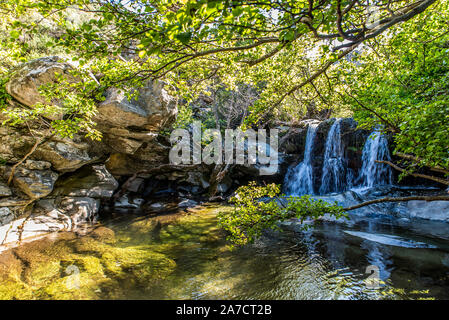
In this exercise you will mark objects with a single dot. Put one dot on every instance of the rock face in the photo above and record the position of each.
(153, 109)
(61, 174)
(27, 78)
(69, 178)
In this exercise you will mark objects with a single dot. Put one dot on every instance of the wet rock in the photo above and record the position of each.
(35, 183)
(27, 78)
(187, 203)
(125, 202)
(94, 182)
(353, 140)
(431, 210)
(5, 191)
(225, 185)
(140, 135)
(103, 234)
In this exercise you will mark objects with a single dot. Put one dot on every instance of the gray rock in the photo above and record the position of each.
(125, 202)
(48, 216)
(35, 183)
(118, 111)
(136, 185)
(94, 182)
(153, 109)
(6, 216)
(157, 206)
(5, 191)
(187, 203)
(225, 185)
(28, 77)
(65, 156)
(431, 210)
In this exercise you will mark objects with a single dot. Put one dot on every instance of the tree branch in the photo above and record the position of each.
(418, 175)
(397, 199)
(419, 161)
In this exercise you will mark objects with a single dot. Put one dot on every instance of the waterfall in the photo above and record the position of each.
(299, 179)
(334, 165)
(373, 173)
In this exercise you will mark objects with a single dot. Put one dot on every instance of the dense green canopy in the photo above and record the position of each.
(283, 47)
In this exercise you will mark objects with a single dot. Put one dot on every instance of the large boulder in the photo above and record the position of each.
(152, 109)
(34, 183)
(26, 79)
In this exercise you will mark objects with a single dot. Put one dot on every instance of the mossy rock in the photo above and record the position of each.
(14, 289)
(39, 274)
(142, 262)
(111, 264)
(81, 287)
(103, 234)
(89, 264)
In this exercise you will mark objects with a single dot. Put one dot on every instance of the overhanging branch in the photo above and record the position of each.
(397, 199)
(418, 175)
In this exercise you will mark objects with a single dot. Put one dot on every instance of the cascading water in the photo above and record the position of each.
(299, 179)
(333, 178)
(373, 173)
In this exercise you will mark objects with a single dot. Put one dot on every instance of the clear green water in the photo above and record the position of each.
(177, 256)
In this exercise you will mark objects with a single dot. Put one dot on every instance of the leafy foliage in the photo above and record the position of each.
(401, 82)
(283, 45)
(257, 208)
(69, 108)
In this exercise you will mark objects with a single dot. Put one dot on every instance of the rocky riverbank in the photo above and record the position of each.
(65, 182)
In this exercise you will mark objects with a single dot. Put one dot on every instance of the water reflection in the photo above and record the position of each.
(327, 261)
